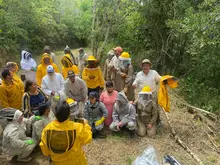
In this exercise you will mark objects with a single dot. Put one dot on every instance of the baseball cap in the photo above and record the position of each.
(146, 61)
(93, 94)
(118, 48)
(71, 73)
(50, 69)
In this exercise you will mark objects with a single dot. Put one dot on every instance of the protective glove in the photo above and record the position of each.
(100, 121)
(29, 142)
(37, 118)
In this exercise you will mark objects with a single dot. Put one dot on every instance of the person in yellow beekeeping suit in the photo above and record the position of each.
(92, 75)
(147, 113)
(42, 68)
(63, 139)
(10, 91)
(67, 65)
(13, 67)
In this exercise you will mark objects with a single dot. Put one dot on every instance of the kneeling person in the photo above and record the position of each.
(63, 139)
(15, 142)
(123, 115)
(147, 113)
(96, 113)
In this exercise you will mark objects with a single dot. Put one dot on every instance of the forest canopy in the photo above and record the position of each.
(179, 37)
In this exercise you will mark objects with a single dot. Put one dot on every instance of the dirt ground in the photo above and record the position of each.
(121, 150)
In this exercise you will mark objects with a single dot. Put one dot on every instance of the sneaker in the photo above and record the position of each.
(27, 159)
(101, 134)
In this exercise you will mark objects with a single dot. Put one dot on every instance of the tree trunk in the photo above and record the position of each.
(93, 27)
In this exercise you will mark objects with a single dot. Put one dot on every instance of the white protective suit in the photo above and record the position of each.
(54, 83)
(39, 125)
(77, 91)
(28, 66)
(14, 138)
(123, 112)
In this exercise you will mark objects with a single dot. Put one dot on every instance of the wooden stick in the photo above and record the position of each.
(180, 142)
(199, 109)
(214, 143)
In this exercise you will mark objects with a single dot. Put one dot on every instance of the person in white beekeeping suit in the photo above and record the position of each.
(15, 142)
(52, 82)
(28, 66)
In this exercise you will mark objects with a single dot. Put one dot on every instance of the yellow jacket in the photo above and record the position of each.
(11, 95)
(71, 137)
(97, 81)
(70, 66)
(42, 69)
(163, 97)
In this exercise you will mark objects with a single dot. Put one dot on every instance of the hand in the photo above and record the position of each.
(134, 86)
(37, 118)
(29, 142)
(123, 75)
(52, 93)
(149, 126)
(119, 125)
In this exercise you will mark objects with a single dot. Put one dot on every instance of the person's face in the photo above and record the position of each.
(20, 120)
(91, 63)
(80, 51)
(146, 67)
(9, 78)
(110, 89)
(50, 74)
(47, 61)
(33, 87)
(72, 79)
(65, 64)
(92, 100)
(47, 111)
(117, 53)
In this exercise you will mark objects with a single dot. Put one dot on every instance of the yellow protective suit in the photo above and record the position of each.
(70, 66)
(42, 68)
(163, 98)
(63, 142)
(16, 78)
(97, 81)
(11, 95)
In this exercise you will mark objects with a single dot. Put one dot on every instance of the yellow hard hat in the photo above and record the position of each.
(125, 55)
(91, 58)
(146, 89)
(70, 101)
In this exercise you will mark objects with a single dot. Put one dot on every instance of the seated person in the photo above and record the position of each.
(96, 113)
(123, 114)
(147, 113)
(32, 97)
(15, 142)
(63, 139)
(46, 117)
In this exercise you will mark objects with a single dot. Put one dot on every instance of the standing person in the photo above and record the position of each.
(147, 113)
(50, 53)
(109, 98)
(28, 66)
(107, 71)
(68, 53)
(32, 97)
(15, 142)
(92, 75)
(63, 139)
(42, 68)
(96, 113)
(146, 77)
(13, 67)
(52, 82)
(114, 66)
(10, 91)
(82, 59)
(124, 115)
(126, 72)
(46, 115)
(68, 65)
(75, 88)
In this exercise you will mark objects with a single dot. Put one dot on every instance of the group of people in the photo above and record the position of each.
(45, 103)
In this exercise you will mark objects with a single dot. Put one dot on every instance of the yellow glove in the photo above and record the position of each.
(100, 121)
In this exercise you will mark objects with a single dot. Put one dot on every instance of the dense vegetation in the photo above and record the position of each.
(180, 37)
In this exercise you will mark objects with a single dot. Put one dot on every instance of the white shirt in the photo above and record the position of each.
(150, 80)
(114, 62)
(56, 85)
